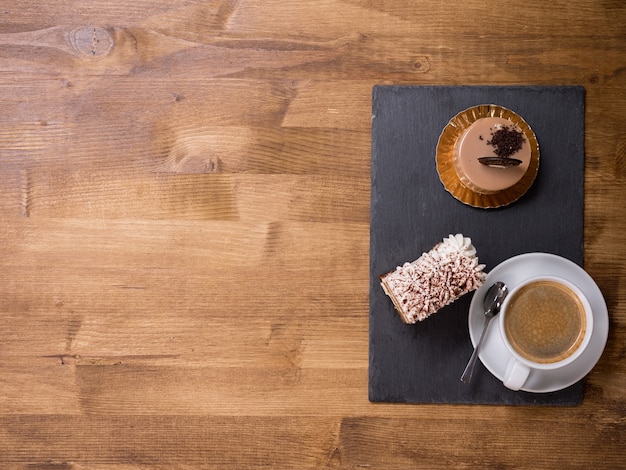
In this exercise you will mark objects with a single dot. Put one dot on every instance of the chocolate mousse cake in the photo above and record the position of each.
(437, 278)
(491, 155)
(487, 156)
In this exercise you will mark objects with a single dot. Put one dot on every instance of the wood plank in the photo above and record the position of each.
(250, 17)
(198, 337)
(125, 244)
(432, 443)
(300, 57)
(149, 442)
(178, 197)
(303, 442)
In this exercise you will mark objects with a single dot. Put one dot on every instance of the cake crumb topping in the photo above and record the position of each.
(506, 141)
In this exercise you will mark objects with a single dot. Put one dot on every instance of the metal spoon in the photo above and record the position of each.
(492, 302)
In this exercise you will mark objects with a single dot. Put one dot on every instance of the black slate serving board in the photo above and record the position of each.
(411, 212)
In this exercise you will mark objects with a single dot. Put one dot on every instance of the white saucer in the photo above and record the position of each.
(494, 354)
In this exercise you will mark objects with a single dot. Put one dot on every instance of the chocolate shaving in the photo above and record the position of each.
(506, 141)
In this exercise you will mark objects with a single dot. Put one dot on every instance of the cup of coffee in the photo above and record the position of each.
(546, 324)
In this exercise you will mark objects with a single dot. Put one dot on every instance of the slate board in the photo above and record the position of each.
(411, 212)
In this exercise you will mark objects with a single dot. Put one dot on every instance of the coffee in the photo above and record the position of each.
(545, 321)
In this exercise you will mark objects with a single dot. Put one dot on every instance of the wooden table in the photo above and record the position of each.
(184, 203)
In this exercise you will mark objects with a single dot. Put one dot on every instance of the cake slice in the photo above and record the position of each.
(436, 279)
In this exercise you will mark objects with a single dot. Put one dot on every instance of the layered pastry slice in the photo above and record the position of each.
(437, 278)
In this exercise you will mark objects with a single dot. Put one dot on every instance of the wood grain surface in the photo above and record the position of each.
(184, 226)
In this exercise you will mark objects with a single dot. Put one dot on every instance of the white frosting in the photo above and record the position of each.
(437, 278)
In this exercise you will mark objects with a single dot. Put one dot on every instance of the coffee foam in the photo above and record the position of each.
(545, 321)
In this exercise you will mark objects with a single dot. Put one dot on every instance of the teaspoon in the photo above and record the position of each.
(492, 302)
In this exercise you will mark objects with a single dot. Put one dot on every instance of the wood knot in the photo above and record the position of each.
(420, 64)
(91, 41)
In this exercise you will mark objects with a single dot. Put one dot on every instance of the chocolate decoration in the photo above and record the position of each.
(499, 162)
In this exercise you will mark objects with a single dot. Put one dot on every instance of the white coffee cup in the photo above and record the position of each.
(546, 323)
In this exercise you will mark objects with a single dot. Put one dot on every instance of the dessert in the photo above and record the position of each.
(491, 155)
(487, 156)
(436, 279)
